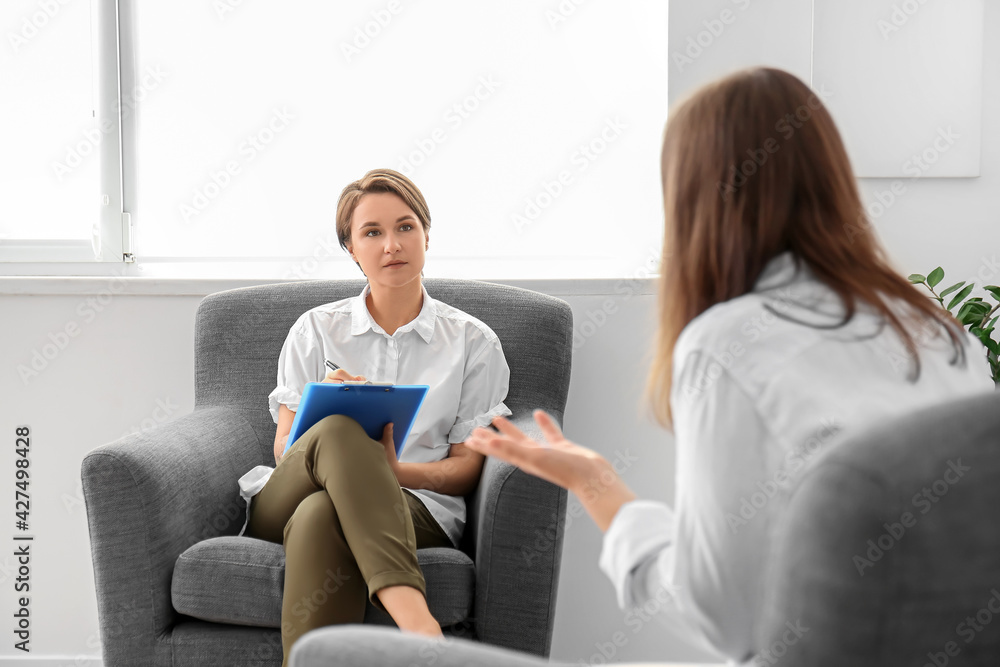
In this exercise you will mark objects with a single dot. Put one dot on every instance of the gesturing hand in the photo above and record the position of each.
(558, 460)
(583, 471)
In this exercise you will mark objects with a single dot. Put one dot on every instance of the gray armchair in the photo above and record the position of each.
(889, 553)
(177, 586)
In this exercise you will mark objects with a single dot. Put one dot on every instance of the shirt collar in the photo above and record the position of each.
(423, 323)
(782, 269)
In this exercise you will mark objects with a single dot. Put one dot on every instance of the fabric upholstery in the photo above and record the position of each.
(356, 646)
(891, 545)
(239, 580)
(152, 496)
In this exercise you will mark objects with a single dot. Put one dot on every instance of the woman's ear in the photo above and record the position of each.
(350, 251)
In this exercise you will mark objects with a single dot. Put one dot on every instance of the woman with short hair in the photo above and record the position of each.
(349, 514)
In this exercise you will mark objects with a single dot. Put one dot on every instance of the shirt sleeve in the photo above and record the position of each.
(484, 388)
(300, 361)
(702, 562)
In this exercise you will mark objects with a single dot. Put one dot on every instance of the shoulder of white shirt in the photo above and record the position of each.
(333, 308)
(442, 311)
(446, 311)
(782, 285)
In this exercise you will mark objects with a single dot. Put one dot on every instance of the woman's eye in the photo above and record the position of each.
(407, 227)
(371, 231)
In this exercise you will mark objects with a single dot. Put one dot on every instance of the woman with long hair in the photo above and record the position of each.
(783, 328)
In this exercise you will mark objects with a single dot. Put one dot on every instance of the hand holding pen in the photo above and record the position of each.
(339, 375)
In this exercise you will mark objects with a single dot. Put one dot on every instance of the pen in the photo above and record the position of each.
(332, 366)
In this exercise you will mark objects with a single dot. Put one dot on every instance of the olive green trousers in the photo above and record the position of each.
(347, 526)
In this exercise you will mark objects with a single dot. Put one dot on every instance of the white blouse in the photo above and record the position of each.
(755, 398)
(457, 355)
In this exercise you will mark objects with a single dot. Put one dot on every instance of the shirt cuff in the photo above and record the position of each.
(252, 482)
(250, 485)
(461, 431)
(639, 530)
(283, 396)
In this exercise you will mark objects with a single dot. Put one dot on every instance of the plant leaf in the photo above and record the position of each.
(951, 289)
(969, 318)
(961, 295)
(916, 278)
(970, 314)
(935, 276)
(994, 290)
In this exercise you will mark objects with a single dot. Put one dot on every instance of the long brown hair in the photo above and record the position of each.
(752, 166)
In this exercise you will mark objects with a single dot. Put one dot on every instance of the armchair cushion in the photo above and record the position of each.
(239, 581)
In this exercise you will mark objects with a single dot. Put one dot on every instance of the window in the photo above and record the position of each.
(533, 129)
(49, 176)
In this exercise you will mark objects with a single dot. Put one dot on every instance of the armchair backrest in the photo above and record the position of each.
(239, 334)
(889, 552)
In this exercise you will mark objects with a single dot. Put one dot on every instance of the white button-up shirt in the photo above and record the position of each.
(755, 398)
(457, 355)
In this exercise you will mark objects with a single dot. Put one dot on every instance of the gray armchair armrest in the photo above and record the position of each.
(518, 545)
(149, 497)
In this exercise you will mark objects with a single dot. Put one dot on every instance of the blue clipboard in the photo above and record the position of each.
(371, 405)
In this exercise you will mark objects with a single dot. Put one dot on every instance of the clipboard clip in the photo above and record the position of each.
(361, 383)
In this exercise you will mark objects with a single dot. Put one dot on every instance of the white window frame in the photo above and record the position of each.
(113, 23)
(111, 249)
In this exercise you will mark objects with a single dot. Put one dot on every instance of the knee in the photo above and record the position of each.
(314, 512)
(340, 428)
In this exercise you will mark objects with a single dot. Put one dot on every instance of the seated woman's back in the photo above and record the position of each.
(764, 383)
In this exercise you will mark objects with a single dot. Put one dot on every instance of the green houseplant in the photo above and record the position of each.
(973, 312)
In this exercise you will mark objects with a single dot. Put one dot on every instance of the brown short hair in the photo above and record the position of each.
(379, 180)
(752, 165)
